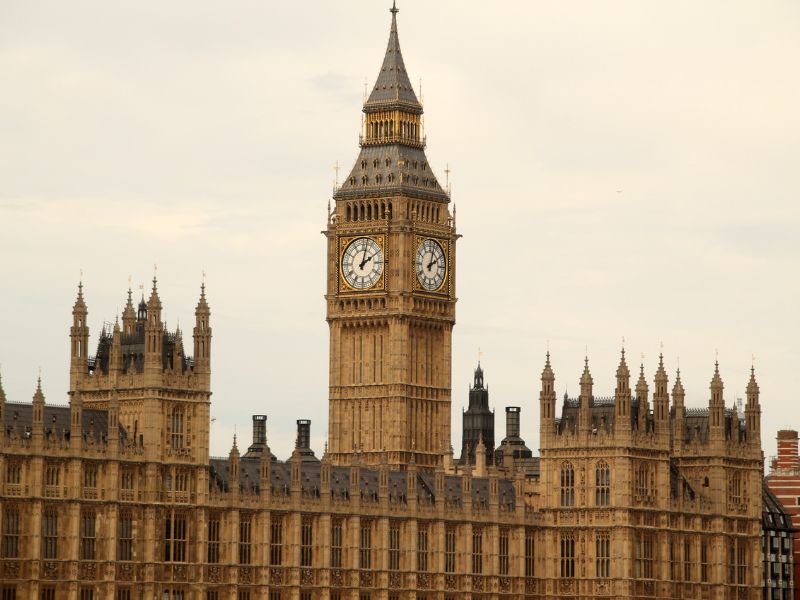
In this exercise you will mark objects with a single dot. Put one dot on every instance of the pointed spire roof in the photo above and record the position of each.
(80, 304)
(38, 396)
(154, 300)
(641, 384)
(622, 370)
(661, 374)
(586, 377)
(393, 85)
(202, 303)
(677, 389)
(752, 385)
(716, 380)
(478, 383)
(547, 373)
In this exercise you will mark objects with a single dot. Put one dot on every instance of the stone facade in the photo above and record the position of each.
(116, 497)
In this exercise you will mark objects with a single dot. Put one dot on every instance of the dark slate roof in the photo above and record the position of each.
(393, 85)
(603, 411)
(57, 420)
(249, 480)
(132, 350)
(408, 166)
(773, 514)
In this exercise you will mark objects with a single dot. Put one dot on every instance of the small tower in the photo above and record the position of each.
(202, 338)
(752, 411)
(547, 403)
(661, 397)
(115, 360)
(233, 468)
(678, 397)
(716, 408)
(480, 458)
(129, 316)
(38, 415)
(586, 399)
(76, 421)
(642, 390)
(154, 336)
(478, 421)
(622, 396)
(79, 338)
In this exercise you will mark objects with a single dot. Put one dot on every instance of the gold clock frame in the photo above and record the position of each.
(345, 287)
(444, 244)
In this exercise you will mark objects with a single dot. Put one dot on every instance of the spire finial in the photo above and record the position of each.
(394, 10)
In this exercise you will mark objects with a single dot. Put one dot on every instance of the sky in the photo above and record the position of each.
(621, 169)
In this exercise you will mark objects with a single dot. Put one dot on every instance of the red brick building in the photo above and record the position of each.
(784, 483)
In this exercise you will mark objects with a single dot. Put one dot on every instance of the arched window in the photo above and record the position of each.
(736, 491)
(177, 428)
(567, 485)
(347, 217)
(602, 483)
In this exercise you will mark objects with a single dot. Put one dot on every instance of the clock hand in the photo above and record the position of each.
(433, 261)
(364, 261)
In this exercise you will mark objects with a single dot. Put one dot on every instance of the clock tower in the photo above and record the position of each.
(390, 287)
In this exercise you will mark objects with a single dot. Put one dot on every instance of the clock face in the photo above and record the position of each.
(431, 265)
(362, 263)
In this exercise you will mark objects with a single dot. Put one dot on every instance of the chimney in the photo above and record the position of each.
(303, 434)
(512, 421)
(259, 430)
(788, 459)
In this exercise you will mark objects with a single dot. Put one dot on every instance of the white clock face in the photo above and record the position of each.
(431, 265)
(362, 263)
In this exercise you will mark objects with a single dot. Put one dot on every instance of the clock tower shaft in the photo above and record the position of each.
(390, 288)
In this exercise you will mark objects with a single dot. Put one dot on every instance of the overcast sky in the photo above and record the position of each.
(621, 168)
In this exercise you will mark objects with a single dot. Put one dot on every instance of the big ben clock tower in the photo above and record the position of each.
(391, 287)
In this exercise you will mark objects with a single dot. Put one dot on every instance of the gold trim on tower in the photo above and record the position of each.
(380, 283)
(444, 288)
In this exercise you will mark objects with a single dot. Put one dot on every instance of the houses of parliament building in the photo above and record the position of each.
(632, 495)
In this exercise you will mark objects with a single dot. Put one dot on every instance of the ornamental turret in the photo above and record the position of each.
(642, 390)
(586, 399)
(79, 340)
(129, 316)
(547, 402)
(202, 337)
(752, 411)
(37, 429)
(661, 397)
(622, 396)
(153, 334)
(678, 397)
(716, 407)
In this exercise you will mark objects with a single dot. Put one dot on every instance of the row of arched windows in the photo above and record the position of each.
(368, 211)
(426, 212)
(388, 128)
(602, 484)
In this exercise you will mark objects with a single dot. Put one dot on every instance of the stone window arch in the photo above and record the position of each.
(602, 482)
(567, 484)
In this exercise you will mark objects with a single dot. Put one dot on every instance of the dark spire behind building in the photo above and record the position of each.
(478, 422)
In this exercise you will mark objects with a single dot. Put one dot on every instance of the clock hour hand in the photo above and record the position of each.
(433, 262)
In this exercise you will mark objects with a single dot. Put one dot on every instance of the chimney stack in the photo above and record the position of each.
(512, 421)
(788, 459)
(259, 430)
(303, 434)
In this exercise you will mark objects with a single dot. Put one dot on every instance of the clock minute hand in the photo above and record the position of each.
(363, 262)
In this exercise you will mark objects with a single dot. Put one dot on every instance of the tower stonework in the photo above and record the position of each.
(163, 395)
(391, 287)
